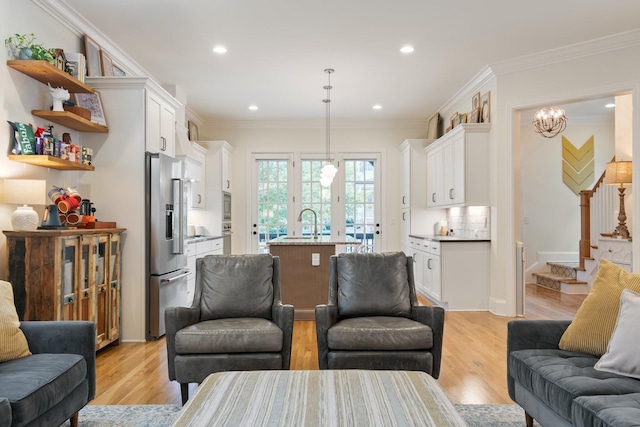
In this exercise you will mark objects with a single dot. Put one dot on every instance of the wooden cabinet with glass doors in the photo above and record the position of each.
(68, 275)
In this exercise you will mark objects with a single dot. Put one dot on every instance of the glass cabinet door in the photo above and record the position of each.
(69, 273)
(86, 282)
(101, 286)
(114, 287)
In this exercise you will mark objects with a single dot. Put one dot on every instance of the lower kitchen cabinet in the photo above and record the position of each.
(68, 275)
(454, 273)
(197, 249)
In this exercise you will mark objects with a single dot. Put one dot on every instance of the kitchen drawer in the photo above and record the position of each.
(204, 247)
(217, 245)
(432, 246)
(416, 243)
(191, 249)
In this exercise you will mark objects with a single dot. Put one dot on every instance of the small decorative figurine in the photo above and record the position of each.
(58, 94)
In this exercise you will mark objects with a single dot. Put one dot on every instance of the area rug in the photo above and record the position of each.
(163, 415)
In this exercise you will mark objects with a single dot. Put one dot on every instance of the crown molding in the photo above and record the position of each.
(569, 52)
(63, 13)
(475, 84)
(316, 124)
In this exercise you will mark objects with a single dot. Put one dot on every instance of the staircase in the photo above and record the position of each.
(562, 277)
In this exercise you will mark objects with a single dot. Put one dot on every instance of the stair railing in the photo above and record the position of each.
(596, 215)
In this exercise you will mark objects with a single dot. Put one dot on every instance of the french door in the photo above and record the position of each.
(285, 184)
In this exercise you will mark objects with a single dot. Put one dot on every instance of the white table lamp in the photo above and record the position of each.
(25, 192)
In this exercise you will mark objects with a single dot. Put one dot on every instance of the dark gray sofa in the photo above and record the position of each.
(56, 381)
(561, 388)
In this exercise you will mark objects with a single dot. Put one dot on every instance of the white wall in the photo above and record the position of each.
(288, 139)
(550, 218)
(20, 94)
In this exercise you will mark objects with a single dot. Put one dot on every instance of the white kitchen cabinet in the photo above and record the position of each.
(195, 250)
(225, 168)
(432, 269)
(217, 179)
(458, 167)
(194, 174)
(160, 124)
(414, 216)
(416, 250)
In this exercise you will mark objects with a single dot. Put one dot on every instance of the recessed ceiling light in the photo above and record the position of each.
(253, 107)
(377, 107)
(610, 105)
(407, 49)
(220, 49)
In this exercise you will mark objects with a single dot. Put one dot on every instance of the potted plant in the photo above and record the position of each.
(22, 46)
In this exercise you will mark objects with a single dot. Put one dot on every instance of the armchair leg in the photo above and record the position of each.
(184, 391)
(528, 419)
(74, 420)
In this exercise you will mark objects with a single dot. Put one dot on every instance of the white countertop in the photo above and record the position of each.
(195, 239)
(308, 240)
(440, 238)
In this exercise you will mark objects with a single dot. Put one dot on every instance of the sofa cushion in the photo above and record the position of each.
(36, 383)
(604, 411)
(379, 333)
(591, 328)
(235, 335)
(13, 342)
(624, 346)
(373, 284)
(557, 377)
(236, 286)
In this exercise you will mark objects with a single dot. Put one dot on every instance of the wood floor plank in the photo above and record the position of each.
(473, 359)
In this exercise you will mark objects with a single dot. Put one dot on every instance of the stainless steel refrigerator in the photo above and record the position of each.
(166, 226)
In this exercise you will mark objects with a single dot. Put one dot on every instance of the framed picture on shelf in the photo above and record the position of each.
(474, 115)
(475, 102)
(107, 64)
(92, 102)
(453, 119)
(485, 108)
(193, 131)
(92, 52)
(433, 127)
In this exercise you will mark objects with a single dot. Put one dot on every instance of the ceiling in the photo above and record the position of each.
(278, 49)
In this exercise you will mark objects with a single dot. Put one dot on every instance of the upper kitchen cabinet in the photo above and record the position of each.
(413, 198)
(458, 167)
(160, 120)
(195, 172)
(225, 168)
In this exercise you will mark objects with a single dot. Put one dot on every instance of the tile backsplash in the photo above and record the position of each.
(470, 221)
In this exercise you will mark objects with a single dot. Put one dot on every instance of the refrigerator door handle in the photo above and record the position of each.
(178, 229)
(174, 278)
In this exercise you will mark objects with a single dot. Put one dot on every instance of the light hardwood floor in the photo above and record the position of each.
(473, 360)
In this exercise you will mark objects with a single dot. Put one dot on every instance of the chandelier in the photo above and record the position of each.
(328, 170)
(549, 121)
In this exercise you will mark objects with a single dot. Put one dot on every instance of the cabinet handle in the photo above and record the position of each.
(429, 263)
(403, 200)
(164, 143)
(433, 197)
(86, 294)
(228, 184)
(199, 199)
(404, 216)
(451, 193)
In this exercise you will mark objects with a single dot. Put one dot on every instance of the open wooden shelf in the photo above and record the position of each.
(70, 120)
(46, 73)
(50, 162)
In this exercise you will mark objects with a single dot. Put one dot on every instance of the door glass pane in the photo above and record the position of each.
(272, 201)
(316, 197)
(360, 201)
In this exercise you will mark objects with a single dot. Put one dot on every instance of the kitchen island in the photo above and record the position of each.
(304, 270)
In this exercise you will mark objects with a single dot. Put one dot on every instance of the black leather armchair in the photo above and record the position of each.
(236, 322)
(373, 320)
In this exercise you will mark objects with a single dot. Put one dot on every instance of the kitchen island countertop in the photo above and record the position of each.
(322, 240)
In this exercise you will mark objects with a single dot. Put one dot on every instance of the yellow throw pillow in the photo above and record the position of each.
(13, 342)
(593, 324)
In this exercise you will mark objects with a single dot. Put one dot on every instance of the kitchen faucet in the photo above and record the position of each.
(315, 220)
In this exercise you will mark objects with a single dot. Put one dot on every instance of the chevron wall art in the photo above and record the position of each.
(577, 165)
